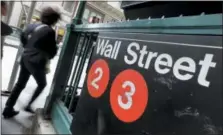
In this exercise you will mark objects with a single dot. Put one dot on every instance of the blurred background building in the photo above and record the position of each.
(105, 11)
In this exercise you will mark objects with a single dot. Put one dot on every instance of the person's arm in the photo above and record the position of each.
(23, 39)
(48, 43)
(5, 29)
(53, 44)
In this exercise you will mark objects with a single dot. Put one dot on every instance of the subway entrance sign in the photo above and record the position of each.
(152, 84)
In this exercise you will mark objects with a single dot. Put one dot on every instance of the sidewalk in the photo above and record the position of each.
(23, 120)
(18, 124)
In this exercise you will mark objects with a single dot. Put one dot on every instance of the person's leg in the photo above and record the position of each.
(40, 77)
(20, 85)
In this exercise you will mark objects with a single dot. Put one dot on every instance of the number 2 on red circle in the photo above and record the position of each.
(98, 78)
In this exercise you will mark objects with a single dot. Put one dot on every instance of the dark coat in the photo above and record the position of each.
(41, 46)
(5, 29)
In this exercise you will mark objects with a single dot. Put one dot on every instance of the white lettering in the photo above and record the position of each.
(151, 55)
(117, 50)
(143, 52)
(108, 51)
(205, 65)
(167, 63)
(128, 95)
(132, 53)
(183, 69)
(114, 50)
(98, 71)
(101, 46)
(190, 68)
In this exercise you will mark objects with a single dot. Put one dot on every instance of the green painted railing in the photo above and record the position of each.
(61, 118)
(202, 24)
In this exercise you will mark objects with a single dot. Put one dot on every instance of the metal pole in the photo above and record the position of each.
(75, 70)
(24, 10)
(9, 11)
(80, 11)
(10, 5)
(78, 75)
(20, 50)
(74, 11)
(64, 62)
(30, 14)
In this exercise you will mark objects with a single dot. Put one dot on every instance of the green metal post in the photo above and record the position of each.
(75, 70)
(80, 12)
(64, 62)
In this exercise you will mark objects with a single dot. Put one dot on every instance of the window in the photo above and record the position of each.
(22, 20)
(98, 16)
(93, 14)
(86, 14)
(69, 6)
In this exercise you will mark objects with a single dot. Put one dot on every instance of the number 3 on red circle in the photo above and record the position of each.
(98, 78)
(129, 95)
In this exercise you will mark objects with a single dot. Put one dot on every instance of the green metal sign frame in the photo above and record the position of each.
(202, 24)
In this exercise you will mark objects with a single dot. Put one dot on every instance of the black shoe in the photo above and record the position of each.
(9, 113)
(29, 109)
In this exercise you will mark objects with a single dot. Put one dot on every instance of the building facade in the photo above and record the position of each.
(102, 10)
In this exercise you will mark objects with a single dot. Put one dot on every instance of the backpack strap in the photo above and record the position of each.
(36, 29)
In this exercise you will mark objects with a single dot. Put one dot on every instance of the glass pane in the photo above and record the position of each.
(99, 17)
(69, 5)
(85, 21)
(116, 11)
(86, 13)
(93, 14)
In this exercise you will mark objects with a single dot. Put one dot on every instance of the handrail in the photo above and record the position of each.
(23, 8)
